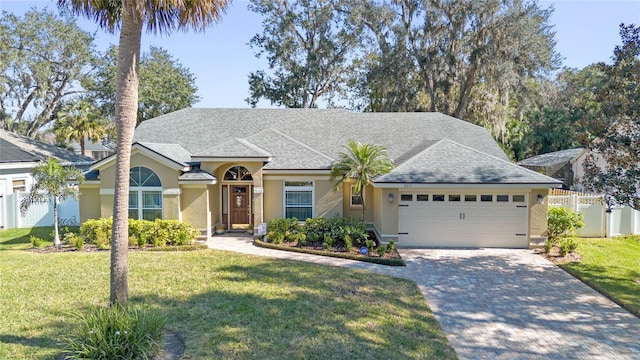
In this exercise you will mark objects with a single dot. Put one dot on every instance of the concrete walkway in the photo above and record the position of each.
(500, 304)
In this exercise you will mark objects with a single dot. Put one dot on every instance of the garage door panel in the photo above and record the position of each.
(463, 224)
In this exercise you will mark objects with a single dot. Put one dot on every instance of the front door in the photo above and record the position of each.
(240, 206)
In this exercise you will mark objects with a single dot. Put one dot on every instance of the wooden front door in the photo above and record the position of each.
(240, 205)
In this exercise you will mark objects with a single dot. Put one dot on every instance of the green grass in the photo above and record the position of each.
(224, 305)
(15, 239)
(611, 266)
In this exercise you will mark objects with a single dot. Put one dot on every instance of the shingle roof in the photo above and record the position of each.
(23, 148)
(173, 152)
(312, 138)
(552, 158)
(436, 165)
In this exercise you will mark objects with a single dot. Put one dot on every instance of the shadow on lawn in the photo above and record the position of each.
(622, 290)
(333, 318)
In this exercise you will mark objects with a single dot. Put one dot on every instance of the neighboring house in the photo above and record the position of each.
(564, 165)
(452, 185)
(18, 155)
(95, 150)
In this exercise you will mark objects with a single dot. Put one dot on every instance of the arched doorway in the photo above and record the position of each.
(237, 185)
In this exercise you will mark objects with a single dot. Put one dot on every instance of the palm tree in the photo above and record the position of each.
(360, 163)
(129, 16)
(50, 184)
(77, 123)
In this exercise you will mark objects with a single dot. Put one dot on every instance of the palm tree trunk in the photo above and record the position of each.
(126, 111)
(56, 233)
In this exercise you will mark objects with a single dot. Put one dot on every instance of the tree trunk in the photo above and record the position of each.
(56, 236)
(126, 113)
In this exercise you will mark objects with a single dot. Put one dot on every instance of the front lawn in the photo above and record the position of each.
(224, 305)
(612, 266)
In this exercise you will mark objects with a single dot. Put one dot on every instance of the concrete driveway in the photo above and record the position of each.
(513, 304)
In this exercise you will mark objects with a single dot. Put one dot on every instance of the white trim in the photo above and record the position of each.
(295, 177)
(297, 171)
(351, 204)
(18, 165)
(193, 186)
(171, 191)
(197, 182)
(105, 191)
(463, 186)
(231, 159)
(258, 190)
(298, 188)
(138, 148)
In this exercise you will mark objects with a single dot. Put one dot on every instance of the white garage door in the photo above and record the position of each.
(463, 220)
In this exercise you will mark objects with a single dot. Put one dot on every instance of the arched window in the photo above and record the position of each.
(145, 194)
(238, 173)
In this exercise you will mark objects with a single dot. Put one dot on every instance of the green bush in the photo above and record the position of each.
(97, 232)
(37, 242)
(381, 250)
(567, 245)
(548, 245)
(75, 240)
(563, 222)
(141, 232)
(391, 246)
(283, 230)
(116, 333)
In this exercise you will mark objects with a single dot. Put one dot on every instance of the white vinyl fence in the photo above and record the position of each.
(622, 220)
(37, 215)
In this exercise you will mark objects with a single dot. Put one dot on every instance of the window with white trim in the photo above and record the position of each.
(298, 199)
(145, 194)
(19, 185)
(356, 199)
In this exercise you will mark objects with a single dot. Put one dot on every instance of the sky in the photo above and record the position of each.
(221, 60)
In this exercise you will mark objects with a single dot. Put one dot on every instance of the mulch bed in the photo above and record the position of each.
(355, 251)
(555, 257)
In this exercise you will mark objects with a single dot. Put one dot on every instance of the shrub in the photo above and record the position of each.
(369, 244)
(75, 240)
(329, 241)
(116, 333)
(548, 245)
(563, 222)
(391, 246)
(97, 231)
(567, 245)
(37, 242)
(282, 229)
(141, 232)
(381, 250)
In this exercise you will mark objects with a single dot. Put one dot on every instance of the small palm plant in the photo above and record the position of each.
(360, 163)
(51, 184)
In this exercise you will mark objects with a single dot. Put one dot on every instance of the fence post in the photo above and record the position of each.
(573, 203)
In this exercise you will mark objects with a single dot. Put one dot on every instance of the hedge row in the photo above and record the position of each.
(141, 232)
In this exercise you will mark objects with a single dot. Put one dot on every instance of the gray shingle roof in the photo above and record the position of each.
(436, 165)
(173, 152)
(311, 138)
(552, 158)
(37, 150)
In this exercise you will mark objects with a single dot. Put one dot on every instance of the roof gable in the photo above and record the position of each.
(447, 162)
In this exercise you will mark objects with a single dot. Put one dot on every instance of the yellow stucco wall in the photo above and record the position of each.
(327, 200)
(195, 204)
(538, 214)
(355, 212)
(104, 201)
(385, 215)
(89, 202)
